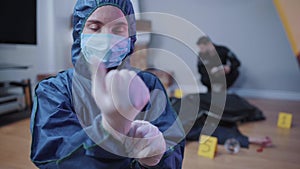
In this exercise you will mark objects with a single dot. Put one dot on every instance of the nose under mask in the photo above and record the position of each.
(108, 48)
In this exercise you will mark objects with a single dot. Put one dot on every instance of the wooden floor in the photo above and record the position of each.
(15, 144)
(285, 154)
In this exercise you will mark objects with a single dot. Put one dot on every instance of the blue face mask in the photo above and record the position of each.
(108, 48)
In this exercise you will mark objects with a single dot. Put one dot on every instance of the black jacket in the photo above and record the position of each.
(208, 62)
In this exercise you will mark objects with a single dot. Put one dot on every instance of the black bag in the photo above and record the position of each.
(236, 110)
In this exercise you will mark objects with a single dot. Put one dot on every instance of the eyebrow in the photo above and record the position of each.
(119, 23)
(95, 21)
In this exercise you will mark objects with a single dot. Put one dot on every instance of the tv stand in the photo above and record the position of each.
(15, 95)
(13, 101)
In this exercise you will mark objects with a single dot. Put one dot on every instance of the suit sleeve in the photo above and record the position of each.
(58, 140)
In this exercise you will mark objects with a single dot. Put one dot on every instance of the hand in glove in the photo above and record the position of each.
(145, 142)
(120, 95)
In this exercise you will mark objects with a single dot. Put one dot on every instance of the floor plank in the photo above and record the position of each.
(15, 146)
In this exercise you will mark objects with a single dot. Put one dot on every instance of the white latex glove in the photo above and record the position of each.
(216, 69)
(120, 95)
(145, 142)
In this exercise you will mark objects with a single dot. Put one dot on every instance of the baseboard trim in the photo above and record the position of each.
(266, 94)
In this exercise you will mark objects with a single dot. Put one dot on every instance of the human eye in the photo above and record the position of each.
(94, 27)
(121, 30)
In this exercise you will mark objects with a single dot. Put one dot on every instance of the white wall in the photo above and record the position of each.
(252, 29)
(53, 51)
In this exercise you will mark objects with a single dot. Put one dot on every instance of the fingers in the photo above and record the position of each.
(98, 77)
(123, 90)
(147, 131)
(117, 82)
(109, 81)
(135, 130)
(138, 91)
(145, 140)
(128, 91)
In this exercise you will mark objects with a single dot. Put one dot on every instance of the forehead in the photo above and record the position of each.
(107, 14)
(202, 45)
(205, 44)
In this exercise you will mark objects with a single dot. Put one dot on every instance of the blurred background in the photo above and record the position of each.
(264, 35)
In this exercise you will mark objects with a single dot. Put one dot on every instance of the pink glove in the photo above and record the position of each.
(146, 143)
(120, 95)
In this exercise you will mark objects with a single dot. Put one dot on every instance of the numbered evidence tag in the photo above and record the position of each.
(207, 146)
(178, 93)
(284, 120)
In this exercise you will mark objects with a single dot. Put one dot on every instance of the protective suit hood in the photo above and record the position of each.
(84, 8)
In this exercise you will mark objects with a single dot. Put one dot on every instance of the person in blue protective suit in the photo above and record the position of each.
(104, 113)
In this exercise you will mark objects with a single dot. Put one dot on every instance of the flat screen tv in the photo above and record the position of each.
(18, 21)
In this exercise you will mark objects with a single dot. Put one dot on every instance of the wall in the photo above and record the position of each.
(52, 53)
(252, 29)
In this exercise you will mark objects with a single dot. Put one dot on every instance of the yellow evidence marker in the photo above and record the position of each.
(178, 93)
(284, 120)
(207, 146)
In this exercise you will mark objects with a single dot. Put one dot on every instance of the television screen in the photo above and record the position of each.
(18, 22)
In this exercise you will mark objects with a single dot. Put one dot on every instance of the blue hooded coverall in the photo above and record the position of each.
(58, 138)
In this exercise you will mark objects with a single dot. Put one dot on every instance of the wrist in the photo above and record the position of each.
(116, 132)
(117, 122)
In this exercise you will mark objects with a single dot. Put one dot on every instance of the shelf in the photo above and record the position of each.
(12, 66)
